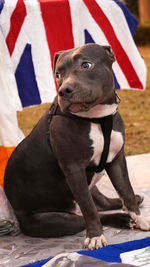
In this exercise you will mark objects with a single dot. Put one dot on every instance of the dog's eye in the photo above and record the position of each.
(58, 75)
(86, 65)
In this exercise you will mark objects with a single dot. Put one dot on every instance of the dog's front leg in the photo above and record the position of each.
(118, 174)
(77, 181)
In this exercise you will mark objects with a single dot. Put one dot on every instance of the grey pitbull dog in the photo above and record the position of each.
(57, 165)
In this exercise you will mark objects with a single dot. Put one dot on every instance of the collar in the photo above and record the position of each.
(55, 110)
(98, 111)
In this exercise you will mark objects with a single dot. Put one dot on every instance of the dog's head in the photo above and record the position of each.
(84, 77)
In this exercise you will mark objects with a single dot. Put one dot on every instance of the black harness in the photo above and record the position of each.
(106, 124)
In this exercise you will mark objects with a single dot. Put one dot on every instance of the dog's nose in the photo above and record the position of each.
(66, 91)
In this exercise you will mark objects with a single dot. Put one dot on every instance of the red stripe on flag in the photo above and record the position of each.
(120, 54)
(16, 21)
(58, 25)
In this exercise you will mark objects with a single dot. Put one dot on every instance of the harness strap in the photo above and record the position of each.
(106, 124)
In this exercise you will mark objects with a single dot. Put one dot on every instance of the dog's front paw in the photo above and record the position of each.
(95, 242)
(142, 222)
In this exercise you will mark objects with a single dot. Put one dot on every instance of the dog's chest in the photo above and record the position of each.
(96, 135)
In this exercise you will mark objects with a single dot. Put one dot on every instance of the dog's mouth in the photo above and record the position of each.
(66, 105)
(79, 107)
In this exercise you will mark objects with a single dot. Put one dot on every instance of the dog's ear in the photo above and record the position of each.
(110, 53)
(57, 54)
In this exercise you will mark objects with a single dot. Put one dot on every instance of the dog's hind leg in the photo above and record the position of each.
(105, 203)
(117, 220)
(57, 224)
(50, 224)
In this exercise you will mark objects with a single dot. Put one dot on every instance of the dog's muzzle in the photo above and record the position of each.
(66, 91)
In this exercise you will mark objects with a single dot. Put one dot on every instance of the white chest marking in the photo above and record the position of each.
(97, 138)
(96, 135)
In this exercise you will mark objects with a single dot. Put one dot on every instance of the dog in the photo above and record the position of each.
(58, 164)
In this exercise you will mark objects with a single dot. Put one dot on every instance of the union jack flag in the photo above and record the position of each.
(35, 29)
(31, 31)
